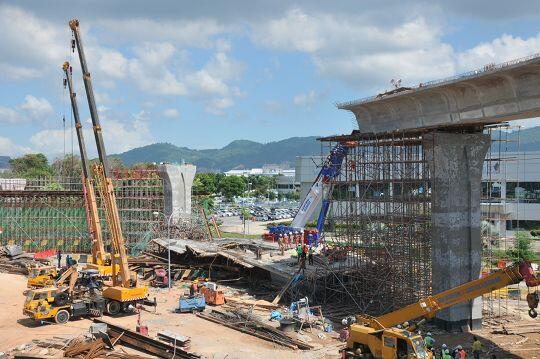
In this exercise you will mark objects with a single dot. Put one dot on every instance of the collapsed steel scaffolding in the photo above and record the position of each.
(378, 236)
(46, 213)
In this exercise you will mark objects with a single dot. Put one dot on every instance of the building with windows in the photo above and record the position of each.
(511, 190)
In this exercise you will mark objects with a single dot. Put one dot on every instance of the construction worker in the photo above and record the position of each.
(310, 239)
(194, 288)
(429, 341)
(298, 252)
(445, 352)
(476, 347)
(59, 257)
(459, 353)
(310, 255)
(281, 246)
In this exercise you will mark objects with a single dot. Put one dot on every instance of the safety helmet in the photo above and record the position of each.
(428, 334)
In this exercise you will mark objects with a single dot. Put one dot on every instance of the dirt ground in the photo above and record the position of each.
(208, 339)
(215, 341)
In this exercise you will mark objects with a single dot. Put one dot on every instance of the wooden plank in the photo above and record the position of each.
(284, 289)
(144, 343)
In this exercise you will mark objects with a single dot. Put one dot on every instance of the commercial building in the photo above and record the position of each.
(511, 190)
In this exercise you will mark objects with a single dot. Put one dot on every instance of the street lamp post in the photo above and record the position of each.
(168, 244)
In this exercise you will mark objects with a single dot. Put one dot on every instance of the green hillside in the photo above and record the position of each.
(237, 154)
(4, 161)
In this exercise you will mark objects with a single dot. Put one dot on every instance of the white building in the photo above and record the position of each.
(513, 198)
(265, 171)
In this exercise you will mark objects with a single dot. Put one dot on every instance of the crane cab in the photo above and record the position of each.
(366, 342)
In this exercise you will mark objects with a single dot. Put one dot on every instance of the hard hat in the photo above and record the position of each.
(444, 346)
(428, 334)
(406, 324)
(459, 347)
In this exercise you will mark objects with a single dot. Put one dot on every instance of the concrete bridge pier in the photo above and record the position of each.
(455, 161)
(177, 183)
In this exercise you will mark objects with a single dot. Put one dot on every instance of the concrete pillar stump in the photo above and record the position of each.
(177, 183)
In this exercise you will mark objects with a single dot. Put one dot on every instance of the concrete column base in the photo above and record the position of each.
(457, 326)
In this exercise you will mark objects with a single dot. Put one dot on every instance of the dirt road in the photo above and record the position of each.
(207, 338)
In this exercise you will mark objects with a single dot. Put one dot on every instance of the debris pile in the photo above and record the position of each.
(14, 260)
(246, 322)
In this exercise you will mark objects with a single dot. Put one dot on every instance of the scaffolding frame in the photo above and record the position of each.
(378, 232)
(45, 213)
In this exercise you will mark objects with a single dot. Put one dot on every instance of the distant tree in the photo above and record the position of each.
(232, 186)
(115, 163)
(69, 166)
(207, 203)
(31, 166)
(522, 248)
(293, 196)
(204, 184)
(144, 166)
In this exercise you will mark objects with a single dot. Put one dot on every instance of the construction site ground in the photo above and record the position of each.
(209, 339)
(215, 341)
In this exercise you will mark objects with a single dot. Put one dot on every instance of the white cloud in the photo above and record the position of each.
(14, 72)
(197, 32)
(32, 109)
(306, 99)
(37, 108)
(361, 53)
(9, 115)
(9, 148)
(217, 106)
(171, 113)
(30, 45)
(119, 136)
(151, 72)
(504, 48)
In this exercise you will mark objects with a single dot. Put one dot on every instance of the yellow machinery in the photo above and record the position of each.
(61, 304)
(124, 290)
(43, 276)
(100, 260)
(379, 337)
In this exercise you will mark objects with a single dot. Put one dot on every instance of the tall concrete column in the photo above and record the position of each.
(455, 162)
(177, 183)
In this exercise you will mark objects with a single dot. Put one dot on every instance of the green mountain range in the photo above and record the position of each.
(236, 155)
(4, 161)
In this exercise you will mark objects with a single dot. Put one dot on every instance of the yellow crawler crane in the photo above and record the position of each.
(124, 291)
(380, 338)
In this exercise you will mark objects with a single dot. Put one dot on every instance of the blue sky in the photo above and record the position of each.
(202, 74)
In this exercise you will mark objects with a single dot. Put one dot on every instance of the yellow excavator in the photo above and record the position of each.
(381, 338)
(124, 291)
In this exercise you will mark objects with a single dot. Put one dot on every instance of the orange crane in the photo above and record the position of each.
(380, 338)
(99, 258)
(124, 290)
